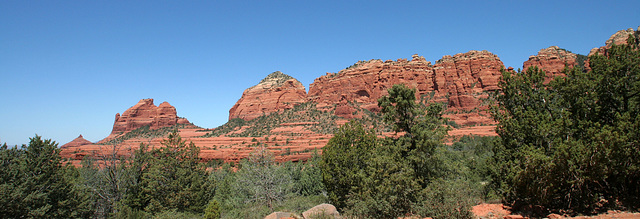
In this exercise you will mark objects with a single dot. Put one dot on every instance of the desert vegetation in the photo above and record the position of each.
(263, 125)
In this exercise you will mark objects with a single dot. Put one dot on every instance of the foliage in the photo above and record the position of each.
(173, 178)
(259, 186)
(105, 177)
(448, 199)
(262, 126)
(174, 214)
(33, 181)
(571, 144)
(373, 177)
(278, 76)
(264, 182)
(213, 210)
(344, 158)
(145, 132)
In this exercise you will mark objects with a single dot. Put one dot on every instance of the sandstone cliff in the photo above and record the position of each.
(552, 60)
(145, 113)
(460, 80)
(274, 93)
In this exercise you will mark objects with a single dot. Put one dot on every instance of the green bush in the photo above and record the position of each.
(213, 210)
(572, 144)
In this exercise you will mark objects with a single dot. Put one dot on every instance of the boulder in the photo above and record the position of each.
(280, 215)
(321, 210)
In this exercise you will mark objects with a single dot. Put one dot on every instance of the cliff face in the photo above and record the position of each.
(552, 60)
(365, 82)
(465, 76)
(145, 113)
(458, 80)
(274, 93)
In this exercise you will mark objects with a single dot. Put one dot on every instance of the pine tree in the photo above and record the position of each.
(35, 185)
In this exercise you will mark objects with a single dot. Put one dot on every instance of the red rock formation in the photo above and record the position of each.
(617, 38)
(552, 60)
(145, 113)
(274, 93)
(465, 76)
(79, 141)
(460, 80)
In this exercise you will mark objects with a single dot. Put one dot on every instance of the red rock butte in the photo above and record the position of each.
(145, 113)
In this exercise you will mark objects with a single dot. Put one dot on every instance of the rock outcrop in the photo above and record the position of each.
(465, 76)
(79, 141)
(617, 38)
(458, 79)
(552, 60)
(322, 211)
(274, 93)
(145, 113)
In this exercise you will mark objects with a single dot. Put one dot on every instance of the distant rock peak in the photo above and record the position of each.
(145, 113)
(79, 141)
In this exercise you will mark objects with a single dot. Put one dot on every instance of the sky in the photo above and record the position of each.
(67, 67)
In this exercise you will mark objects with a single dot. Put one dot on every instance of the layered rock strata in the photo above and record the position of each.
(460, 80)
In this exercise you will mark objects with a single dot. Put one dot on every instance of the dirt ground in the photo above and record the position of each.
(499, 211)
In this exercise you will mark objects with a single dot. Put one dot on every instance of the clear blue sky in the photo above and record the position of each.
(67, 67)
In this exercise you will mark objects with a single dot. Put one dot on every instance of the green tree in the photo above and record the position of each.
(376, 177)
(422, 124)
(344, 159)
(35, 185)
(264, 181)
(108, 177)
(571, 144)
(213, 210)
(171, 178)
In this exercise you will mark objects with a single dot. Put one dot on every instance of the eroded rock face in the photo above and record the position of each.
(79, 141)
(465, 77)
(552, 60)
(145, 113)
(618, 38)
(274, 93)
(458, 79)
